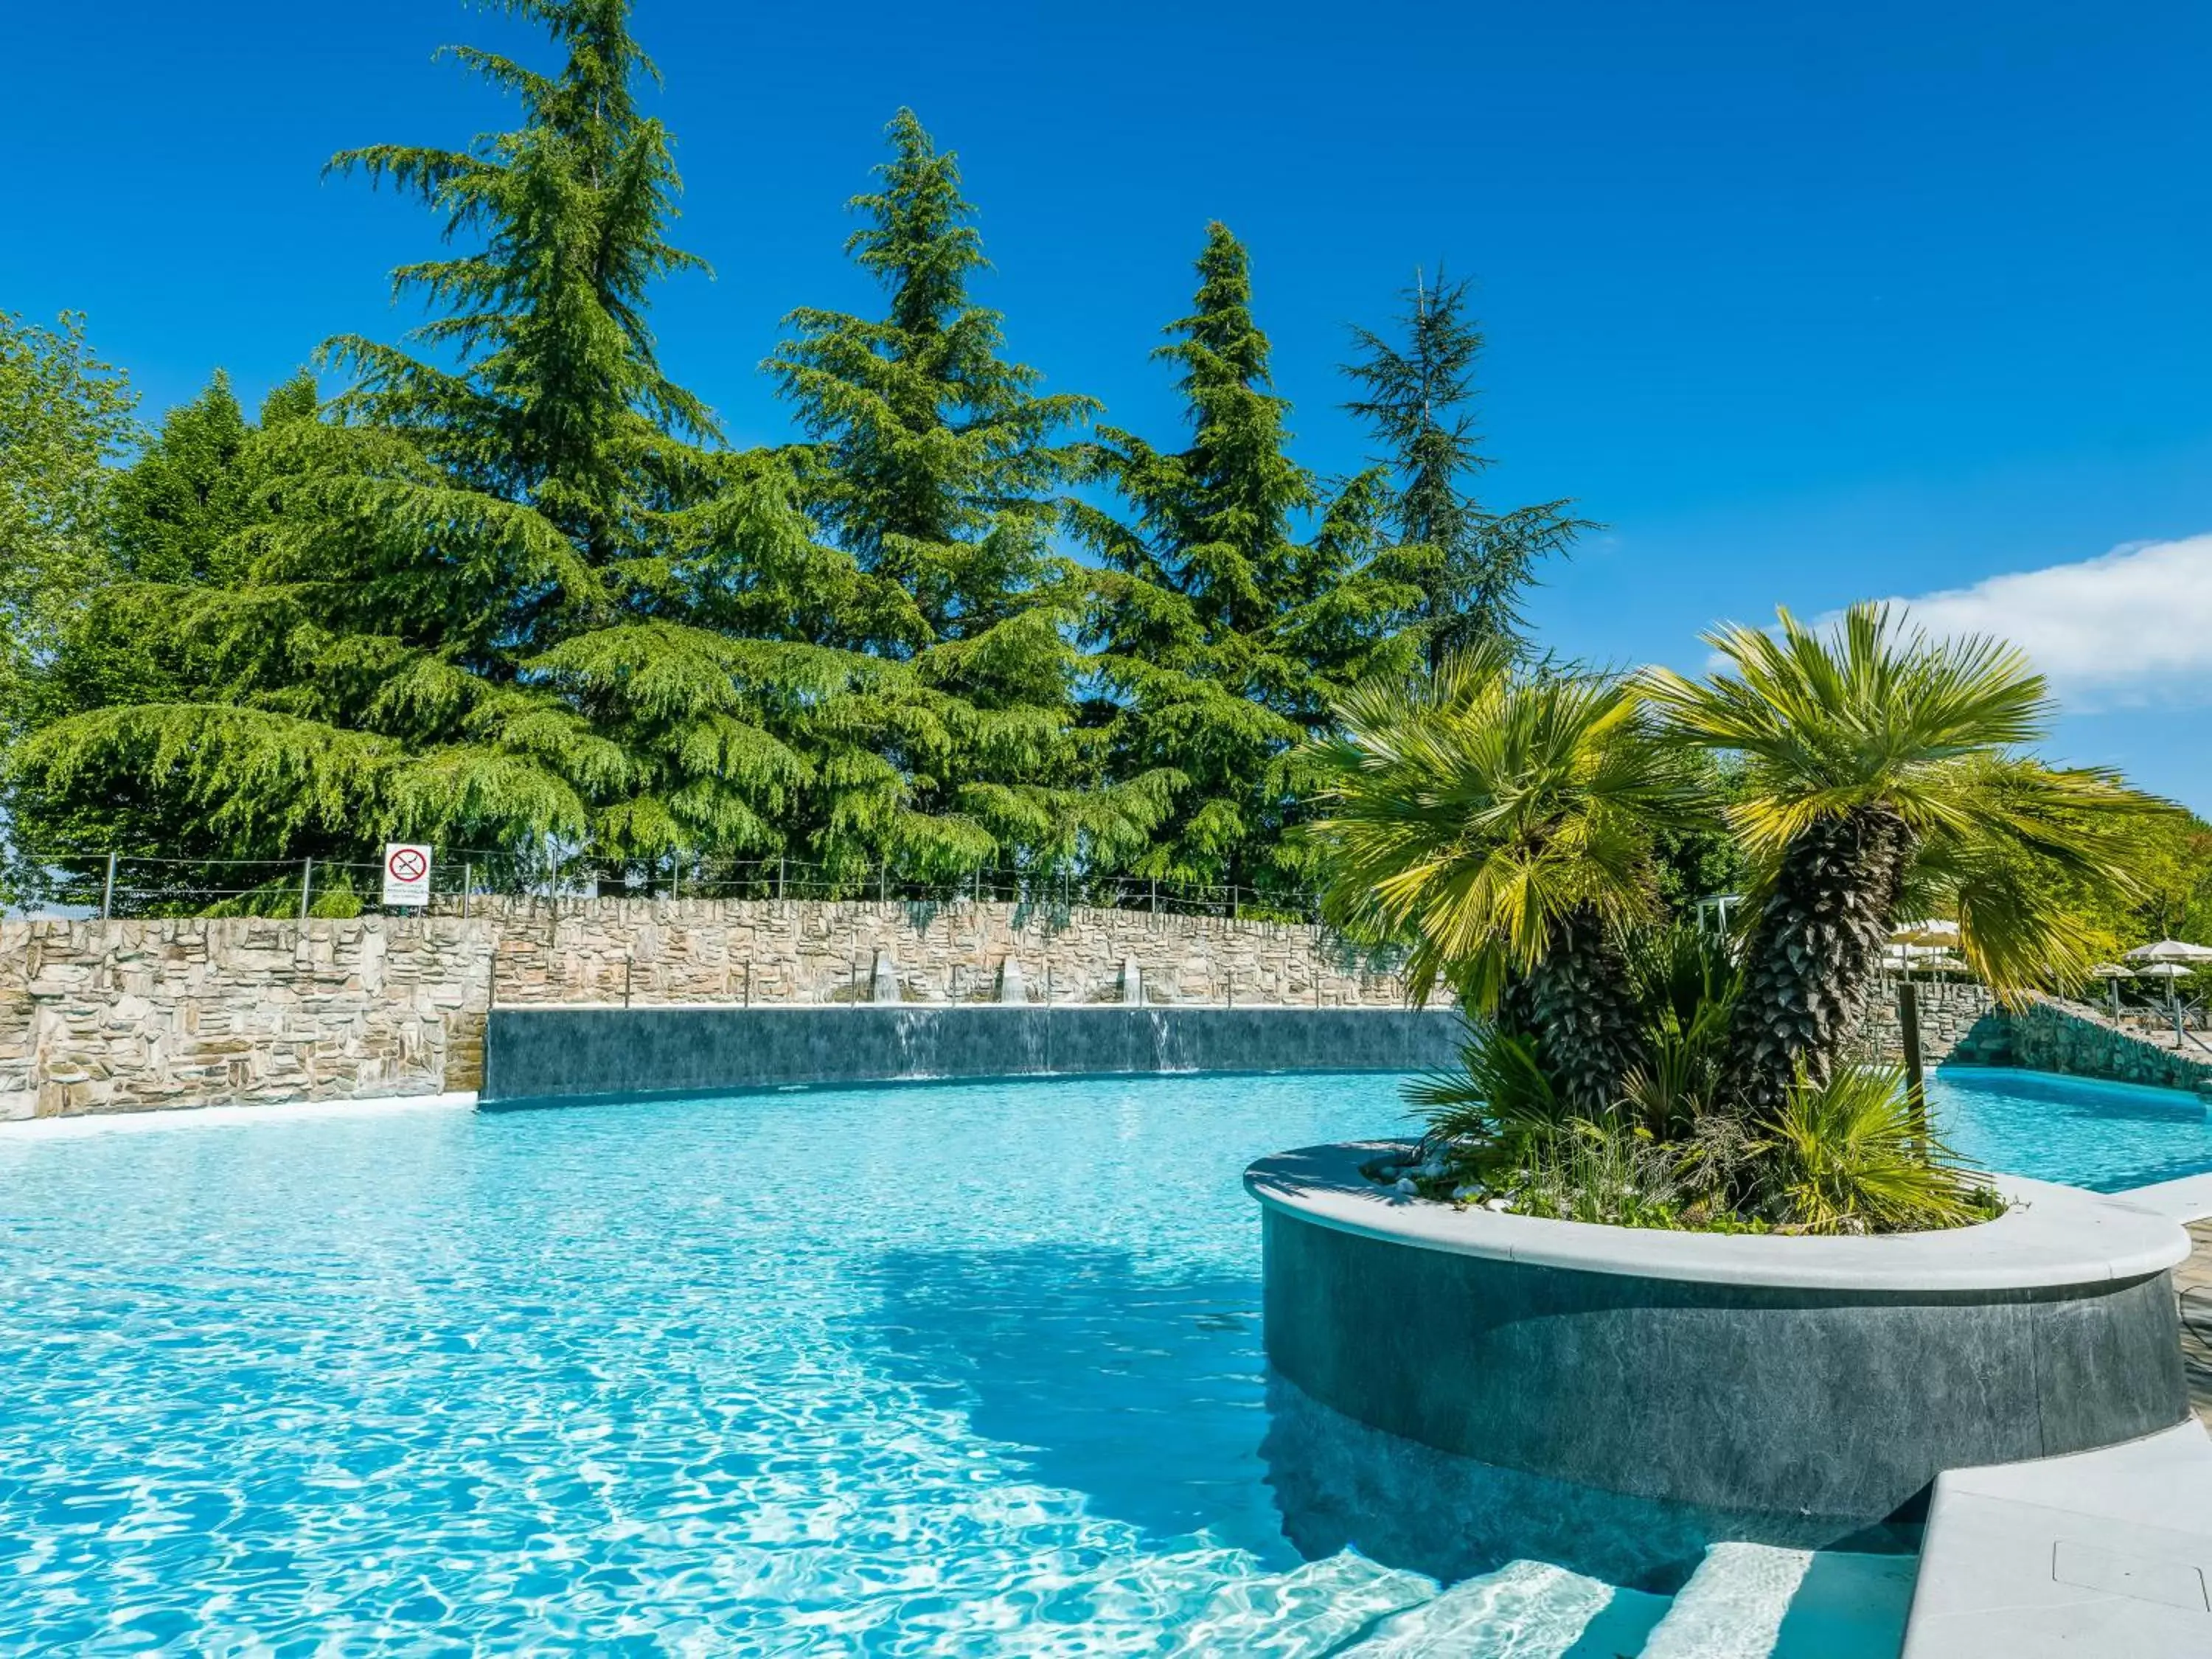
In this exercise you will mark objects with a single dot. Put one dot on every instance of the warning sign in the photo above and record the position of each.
(406, 873)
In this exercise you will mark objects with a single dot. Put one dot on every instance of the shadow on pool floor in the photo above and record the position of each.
(1152, 1396)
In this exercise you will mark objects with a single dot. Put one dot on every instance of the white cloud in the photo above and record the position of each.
(2130, 629)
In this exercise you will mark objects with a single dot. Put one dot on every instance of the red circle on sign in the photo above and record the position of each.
(408, 864)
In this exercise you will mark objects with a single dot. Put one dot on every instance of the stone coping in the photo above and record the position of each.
(2107, 1552)
(2052, 1237)
(2189, 1199)
(78, 1126)
(978, 1004)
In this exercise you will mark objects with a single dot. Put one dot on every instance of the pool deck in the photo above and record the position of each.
(2192, 1282)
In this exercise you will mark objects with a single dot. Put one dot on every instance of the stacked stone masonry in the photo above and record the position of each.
(134, 1016)
(1962, 1022)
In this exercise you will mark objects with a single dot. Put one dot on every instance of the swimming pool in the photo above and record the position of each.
(962, 1370)
(2104, 1136)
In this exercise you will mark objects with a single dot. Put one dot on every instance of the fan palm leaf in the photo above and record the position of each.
(1501, 819)
(1878, 761)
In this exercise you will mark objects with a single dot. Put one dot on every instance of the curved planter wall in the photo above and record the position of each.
(1808, 1377)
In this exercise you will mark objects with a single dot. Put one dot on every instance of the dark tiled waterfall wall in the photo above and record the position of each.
(547, 1054)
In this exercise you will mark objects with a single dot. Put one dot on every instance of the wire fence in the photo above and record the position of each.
(139, 885)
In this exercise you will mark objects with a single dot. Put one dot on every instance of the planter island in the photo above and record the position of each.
(1813, 1379)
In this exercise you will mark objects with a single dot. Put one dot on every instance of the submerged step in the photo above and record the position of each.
(1849, 1606)
(1753, 1601)
(1525, 1610)
(1733, 1605)
(1311, 1610)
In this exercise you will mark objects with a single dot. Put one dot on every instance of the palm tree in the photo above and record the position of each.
(1881, 764)
(1503, 818)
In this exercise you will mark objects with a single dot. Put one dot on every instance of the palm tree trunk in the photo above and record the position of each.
(1813, 955)
(1577, 1006)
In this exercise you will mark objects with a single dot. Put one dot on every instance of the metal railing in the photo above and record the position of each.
(134, 884)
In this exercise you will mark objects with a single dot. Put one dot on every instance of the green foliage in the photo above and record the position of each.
(188, 492)
(1477, 808)
(1219, 639)
(1881, 775)
(932, 472)
(332, 625)
(1848, 1155)
(65, 415)
(1500, 1090)
(1686, 982)
(1469, 567)
(1503, 817)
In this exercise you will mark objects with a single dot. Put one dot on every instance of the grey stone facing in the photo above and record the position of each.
(1798, 1403)
(549, 1054)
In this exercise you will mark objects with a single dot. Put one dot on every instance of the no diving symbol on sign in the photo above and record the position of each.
(406, 874)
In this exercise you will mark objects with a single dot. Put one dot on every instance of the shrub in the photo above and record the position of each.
(1851, 1155)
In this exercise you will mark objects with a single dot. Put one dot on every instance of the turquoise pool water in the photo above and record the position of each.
(2104, 1136)
(965, 1371)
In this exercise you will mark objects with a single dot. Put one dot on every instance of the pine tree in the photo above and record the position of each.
(185, 495)
(452, 562)
(933, 464)
(1471, 567)
(1220, 639)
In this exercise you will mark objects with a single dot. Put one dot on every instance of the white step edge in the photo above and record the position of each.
(1733, 1605)
(1525, 1610)
(1308, 1612)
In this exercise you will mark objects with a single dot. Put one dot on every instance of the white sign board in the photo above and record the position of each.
(406, 873)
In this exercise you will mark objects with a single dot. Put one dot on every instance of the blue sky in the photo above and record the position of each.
(1807, 304)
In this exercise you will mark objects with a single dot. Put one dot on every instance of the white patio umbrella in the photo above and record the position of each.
(2168, 971)
(1931, 932)
(2171, 950)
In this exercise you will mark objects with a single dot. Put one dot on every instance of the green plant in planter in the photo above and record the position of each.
(1877, 766)
(1503, 818)
(1846, 1153)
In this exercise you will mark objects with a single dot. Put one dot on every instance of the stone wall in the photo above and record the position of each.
(810, 951)
(132, 1016)
(1959, 1020)
(2049, 1036)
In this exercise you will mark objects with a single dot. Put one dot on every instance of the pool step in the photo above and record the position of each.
(1733, 1605)
(1311, 1610)
(1525, 1610)
(1849, 1606)
(1754, 1602)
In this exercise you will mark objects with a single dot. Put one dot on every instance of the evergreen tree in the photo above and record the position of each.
(403, 648)
(1221, 639)
(185, 495)
(933, 464)
(63, 416)
(1471, 567)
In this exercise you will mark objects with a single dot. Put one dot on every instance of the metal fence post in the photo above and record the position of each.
(107, 892)
(468, 887)
(307, 884)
